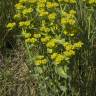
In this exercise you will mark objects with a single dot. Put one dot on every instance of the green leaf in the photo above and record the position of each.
(60, 71)
(63, 88)
(38, 70)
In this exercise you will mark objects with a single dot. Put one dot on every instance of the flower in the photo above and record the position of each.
(27, 35)
(32, 40)
(10, 26)
(78, 44)
(24, 23)
(19, 6)
(44, 29)
(37, 35)
(52, 16)
(51, 43)
(53, 56)
(32, 1)
(42, 1)
(72, 12)
(40, 60)
(22, 1)
(69, 47)
(27, 11)
(51, 5)
(59, 58)
(40, 57)
(69, 53)
(70, 1)
(45, 39)
(17, 16)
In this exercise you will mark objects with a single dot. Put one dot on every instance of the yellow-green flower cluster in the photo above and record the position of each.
(68, 1)
(67, 54)
(57, 58)
(49, 28)
(52, 4)
(19, 6)
(24, 23)
(91, 1)
(11, 25)
(40, 60)
(68, 19)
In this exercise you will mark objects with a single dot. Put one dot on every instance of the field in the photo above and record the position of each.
(47, 48)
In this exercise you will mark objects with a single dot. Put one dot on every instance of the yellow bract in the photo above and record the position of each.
(51, 43)
(24, 23)
(59, 58)
(19, 6)
(78, 44)
(37, 35)
(45, 39)
(52, 5)
(10, 26)
(44, 29)
(53, 56)
(23, 1)
(42, 1)
(52, 16)
(26, 11)
(40, 60)
(69, 53)
(17, 16)
(92, 1)
(70, 1)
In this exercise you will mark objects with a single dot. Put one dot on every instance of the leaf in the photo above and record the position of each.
(38, 70)
(60, 71)
(63, 88)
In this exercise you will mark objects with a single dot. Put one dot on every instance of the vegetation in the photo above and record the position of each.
(47, 48)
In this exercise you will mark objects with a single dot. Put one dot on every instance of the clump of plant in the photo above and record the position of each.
(51, 28)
